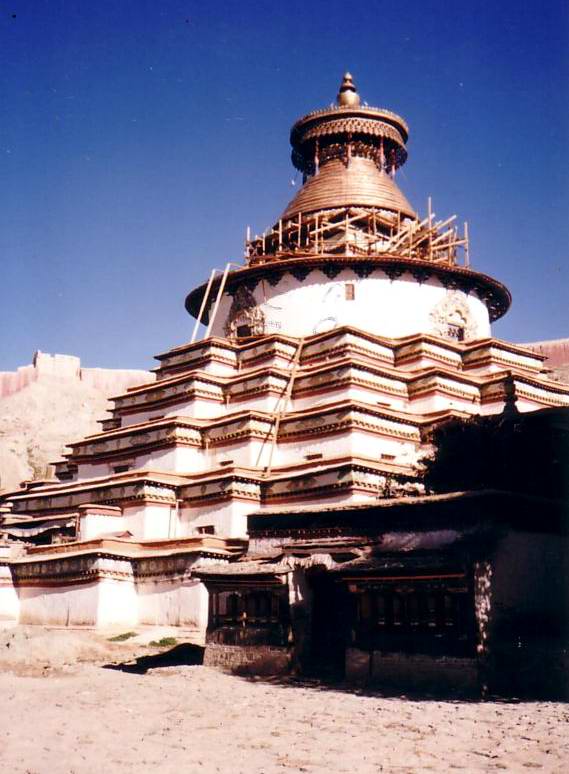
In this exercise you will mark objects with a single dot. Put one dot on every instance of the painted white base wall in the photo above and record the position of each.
(391, 308)
(110, 602)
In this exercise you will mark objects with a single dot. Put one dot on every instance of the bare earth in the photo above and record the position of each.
(80, 717)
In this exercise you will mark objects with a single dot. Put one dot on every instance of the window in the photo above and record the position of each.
(121, 468)
(455, 332)
(350, 289)
(243, 331)
(247, 607)
(414, 615)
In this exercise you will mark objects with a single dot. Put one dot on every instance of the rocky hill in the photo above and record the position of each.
(48, 404)
(556, 352)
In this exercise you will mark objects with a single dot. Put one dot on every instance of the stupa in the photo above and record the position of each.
(241, 485)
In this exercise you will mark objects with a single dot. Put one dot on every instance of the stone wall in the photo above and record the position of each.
(68, 367)
(248, 659)
(418, 672)
(556, 352)
(49, 404)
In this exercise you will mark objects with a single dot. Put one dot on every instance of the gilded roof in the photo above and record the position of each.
(358, 183)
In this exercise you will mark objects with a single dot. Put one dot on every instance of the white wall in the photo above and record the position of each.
(118, 603)
(149, 521)
(229, 518)
(9, 602)
(381, 306)
(173, 603)
(73, 605)
(91, 525)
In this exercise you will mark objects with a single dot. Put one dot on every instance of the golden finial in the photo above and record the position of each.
(348, 96)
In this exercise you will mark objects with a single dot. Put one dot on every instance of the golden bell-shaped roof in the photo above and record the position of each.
(358, 183)
(348, 154)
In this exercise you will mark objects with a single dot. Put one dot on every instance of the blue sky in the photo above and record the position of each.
(138, 138)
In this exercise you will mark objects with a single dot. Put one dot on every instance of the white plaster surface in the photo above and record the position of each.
(229, 518)
(391, 308)
(174, 602)
(91, 525)
(118, 603)
(72, 605)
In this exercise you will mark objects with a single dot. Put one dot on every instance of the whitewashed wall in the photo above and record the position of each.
(59, 606)
(384, 307)
(173, 603)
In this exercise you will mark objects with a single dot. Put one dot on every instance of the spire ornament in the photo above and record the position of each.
(348, 95)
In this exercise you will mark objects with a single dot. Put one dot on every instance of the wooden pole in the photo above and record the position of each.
(217, 300)
(203, 305)
(280, 234)
(247, 250)
(430, 209)
(466, 246)
(299, 227)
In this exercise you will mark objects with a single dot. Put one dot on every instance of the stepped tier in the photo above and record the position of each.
(220, 429)
(341, 364)
(181, 444)
(411, 352)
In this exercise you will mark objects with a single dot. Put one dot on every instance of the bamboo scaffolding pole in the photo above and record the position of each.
(430, 209)
(442, 237)
(203, 305)
(406, 233)
(443, 223)
(218, 299)
(278, 414)
(316, 232)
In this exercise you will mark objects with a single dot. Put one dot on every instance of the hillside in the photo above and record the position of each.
(49, 404)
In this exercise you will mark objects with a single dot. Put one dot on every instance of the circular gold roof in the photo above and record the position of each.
(359, 183)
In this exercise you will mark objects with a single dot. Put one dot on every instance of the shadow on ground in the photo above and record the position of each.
(432, 693)
(192, 655)
(181, 655)
(386, 692)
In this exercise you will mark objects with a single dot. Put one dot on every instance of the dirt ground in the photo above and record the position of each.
(64, 710)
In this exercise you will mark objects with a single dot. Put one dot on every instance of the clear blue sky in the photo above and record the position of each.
(138, 138)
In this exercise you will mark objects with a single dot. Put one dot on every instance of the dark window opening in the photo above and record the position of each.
(121, 468)
(244, 330)
(455, 332)
(253, 616)
(246, 607)
(414, 616)
(350, 291)
(207, 529)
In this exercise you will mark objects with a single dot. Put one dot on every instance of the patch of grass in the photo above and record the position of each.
(165, 642)
(122, 637)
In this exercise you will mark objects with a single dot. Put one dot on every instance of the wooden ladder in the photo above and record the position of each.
(217, 300)
(282, 404)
